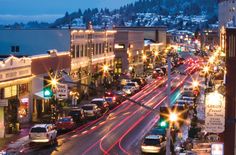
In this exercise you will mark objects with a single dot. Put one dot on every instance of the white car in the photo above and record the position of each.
(43, 133)
(129, 90)
(91, 110)
(153, 144)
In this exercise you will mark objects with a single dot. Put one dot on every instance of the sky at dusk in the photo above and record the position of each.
(11, 10)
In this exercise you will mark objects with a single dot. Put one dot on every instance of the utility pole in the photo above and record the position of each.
(168, 104)
(90, 37)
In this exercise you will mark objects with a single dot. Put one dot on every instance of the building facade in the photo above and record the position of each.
(91, 50)
(129, 53)
(230, 111)
(226, 12)
(27, 42)
(157, 34)
(15, 87)
(44, 68)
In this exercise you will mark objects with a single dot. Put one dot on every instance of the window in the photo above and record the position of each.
(100, 48)
(77, 51)
(86, 50)
(97, 49)
(15, 48)
(82, 51)
(10, 91)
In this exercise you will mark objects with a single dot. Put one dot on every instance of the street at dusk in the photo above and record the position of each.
(117, 77)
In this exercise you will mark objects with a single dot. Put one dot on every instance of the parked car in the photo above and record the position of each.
(158, 131)
(91, 110)
(141, 82)
(158, 73)
(153, 144)
(65, 123)
(119, 95)
(188, 96)
(43, 133)
(101, 103)
(133, 84)
(129, 90)
(77, 115)
(111, 98)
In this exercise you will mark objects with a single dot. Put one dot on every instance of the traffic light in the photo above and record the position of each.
(163, 123)
(47, 92)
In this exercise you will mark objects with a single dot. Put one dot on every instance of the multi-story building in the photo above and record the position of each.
(129, 52)
(15, 89)
(157, 34)
(209, 38)
(230, 111)
(91, 50)
(226, 12)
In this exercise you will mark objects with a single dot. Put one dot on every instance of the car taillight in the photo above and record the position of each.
(114, 98)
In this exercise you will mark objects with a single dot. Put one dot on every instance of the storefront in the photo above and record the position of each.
(15, 81)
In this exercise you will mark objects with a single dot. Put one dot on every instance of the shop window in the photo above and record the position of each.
(10, 91)
(77, 51)
(23, 108)
(23, 88)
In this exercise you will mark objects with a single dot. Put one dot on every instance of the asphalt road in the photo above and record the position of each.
(118, 132)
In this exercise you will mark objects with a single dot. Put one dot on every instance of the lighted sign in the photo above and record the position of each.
(217, 149)
(215, 113)
(25, 100)
(119, 46)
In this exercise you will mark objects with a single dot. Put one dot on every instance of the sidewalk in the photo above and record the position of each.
(12, 138)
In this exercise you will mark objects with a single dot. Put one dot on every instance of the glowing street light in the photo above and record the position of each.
(195, 84)
(173, 117)
(144, 57)
(206, 69)
(54, 82)
(156, 53)
(211, 60)
(105, 68)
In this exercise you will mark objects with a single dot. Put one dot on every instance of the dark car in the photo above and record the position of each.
(101, 103)
(158, 131)
(111, 98)
(141, 82)
(77, 115)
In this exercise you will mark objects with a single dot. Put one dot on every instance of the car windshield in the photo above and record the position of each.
(74, 113)
(158, 131)
(38, 129)
(152, 142)
(188, 94)
(98, 103)
(87, 107)
(131, 84)
(64, 120)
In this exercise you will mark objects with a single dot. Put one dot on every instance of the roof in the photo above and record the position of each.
(153, 137)
(40, 125)
(98, 99)
(89, 105)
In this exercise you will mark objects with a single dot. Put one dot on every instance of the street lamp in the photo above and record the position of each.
(105, 68)
(206, 69)
(195, 84)
(173, 117)
(144, 57)
(54, 82)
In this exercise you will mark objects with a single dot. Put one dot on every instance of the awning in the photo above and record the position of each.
(39, 95)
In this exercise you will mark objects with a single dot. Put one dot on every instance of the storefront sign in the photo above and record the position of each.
(215, 113)
(62, 91)
(3, 103)
(217, 149)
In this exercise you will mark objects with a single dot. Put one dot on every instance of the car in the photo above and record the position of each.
(43, 133)
(188, 95)
(141, 82)
(77, 115)
(91, 110)
(65, 123)
(101, 103)
(158, 131)
(120, 96)
(111, 98)
(133, 84)
(129, 90)
(153, 144)
(157, 73)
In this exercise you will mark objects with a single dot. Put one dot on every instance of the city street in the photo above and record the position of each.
(121, 130)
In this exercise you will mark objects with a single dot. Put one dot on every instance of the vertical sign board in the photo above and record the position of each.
(215, 113)
(62, 91)
(3, 103)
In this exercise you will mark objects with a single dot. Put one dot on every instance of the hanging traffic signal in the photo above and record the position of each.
(163, 123)
(47, 92)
